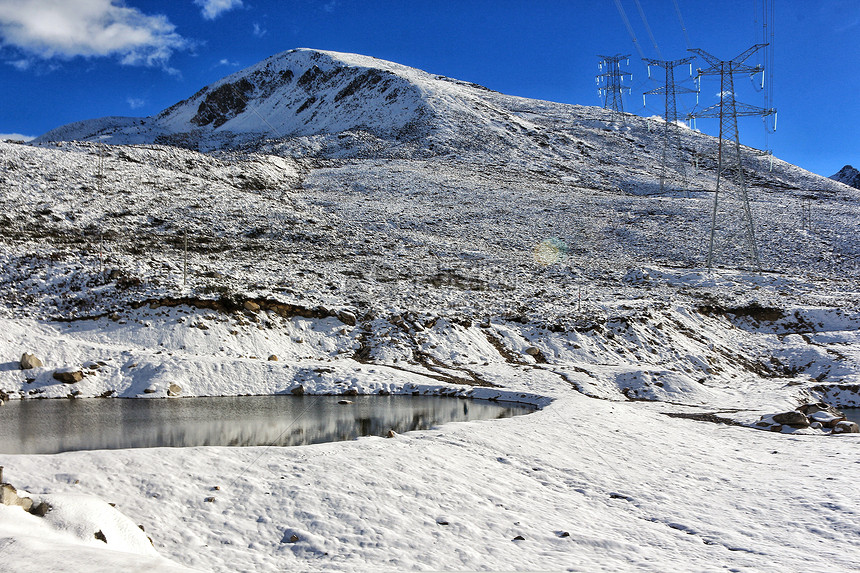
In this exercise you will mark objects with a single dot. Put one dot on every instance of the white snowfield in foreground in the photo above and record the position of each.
(588, 484)
(634, 490)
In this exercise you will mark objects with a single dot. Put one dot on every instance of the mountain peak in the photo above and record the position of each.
(300, 92)
(848, 175)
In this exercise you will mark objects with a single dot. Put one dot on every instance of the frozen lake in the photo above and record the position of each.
(53, 426)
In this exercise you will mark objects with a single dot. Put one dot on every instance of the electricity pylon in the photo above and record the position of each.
(728, 111)
(671, 130)
(613, 82)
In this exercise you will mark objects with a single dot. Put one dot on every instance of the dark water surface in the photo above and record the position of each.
(852, 414)
(52, 426)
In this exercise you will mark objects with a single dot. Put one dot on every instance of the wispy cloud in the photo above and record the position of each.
(330, 6)
(228, 63)
(90, 28)
(211, 9)
(259, 31)
(135, 103)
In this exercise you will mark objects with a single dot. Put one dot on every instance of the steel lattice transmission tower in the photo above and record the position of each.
(671, 130)
(730, 204)
(611, 82)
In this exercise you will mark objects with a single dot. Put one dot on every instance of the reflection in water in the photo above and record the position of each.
(51, 426)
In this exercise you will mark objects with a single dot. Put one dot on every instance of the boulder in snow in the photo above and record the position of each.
(29, 361)
(846, 427)
(346, 317)
(174, 389)
(794, 419)
(9, 496)
(68, 375)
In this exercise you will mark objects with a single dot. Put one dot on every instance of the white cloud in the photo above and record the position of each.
(88, 28)
(135, 103)
(259, 31)
(211, 9)
(226, 62)
(16, 137)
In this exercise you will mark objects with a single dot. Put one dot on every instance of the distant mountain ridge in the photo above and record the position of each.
(848, 175)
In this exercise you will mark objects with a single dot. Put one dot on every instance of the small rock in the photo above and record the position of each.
(351, 392)
(29, 361)
(150, 389)
(294, 538)
(532, 350)
(344, 402)
(565, 534)
(846, 427)
(68, 376)
(209, 500)
(273, 358)
(519, 538)
(173, 390)
(251, 306)
(298, 390)
(100, 536)
(391, 434)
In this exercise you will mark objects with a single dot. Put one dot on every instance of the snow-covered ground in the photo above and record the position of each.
(475, 244)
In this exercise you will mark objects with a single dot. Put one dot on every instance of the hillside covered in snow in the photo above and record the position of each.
(380, 229)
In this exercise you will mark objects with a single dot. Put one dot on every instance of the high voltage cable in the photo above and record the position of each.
(629, 28)
(683, 27)
(648, 29)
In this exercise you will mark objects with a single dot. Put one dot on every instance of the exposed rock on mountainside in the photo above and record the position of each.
(848, 175)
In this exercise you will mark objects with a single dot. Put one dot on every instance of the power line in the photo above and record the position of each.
(671, 131)
(648, 29)
(613, 81)
(683, 27)
(623, 15)
(728, 111)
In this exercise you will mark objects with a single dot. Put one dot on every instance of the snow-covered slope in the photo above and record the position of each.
(848, 175)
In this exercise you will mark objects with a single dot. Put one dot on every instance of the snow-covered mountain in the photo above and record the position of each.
(848, 175)
(307, 93)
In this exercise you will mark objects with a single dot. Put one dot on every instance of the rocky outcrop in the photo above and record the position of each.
(818, 416)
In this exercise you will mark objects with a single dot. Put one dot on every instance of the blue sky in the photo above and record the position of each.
(68, 60)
